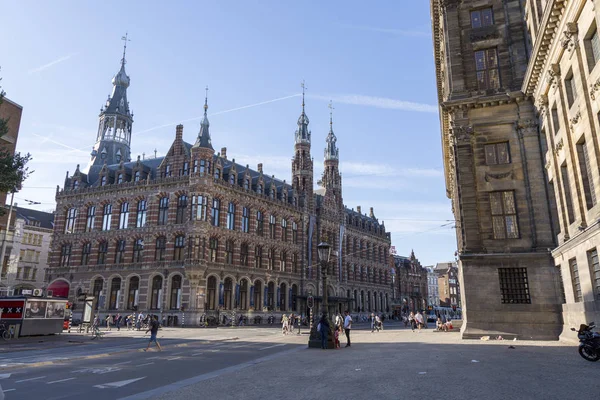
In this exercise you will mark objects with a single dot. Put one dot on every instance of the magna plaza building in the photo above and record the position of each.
(198, 233)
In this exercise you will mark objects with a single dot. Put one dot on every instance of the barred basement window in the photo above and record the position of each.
(504, 215)
(514, 286)
(497, 153)
(578, 297)
(594, 271)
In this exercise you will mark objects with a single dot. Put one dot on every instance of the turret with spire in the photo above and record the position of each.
(302, 164)
(332, 180)
(203, 139)
(113, 141)
(202, 150)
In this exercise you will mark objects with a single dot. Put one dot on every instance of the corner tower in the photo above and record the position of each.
(202, 150)
(302, 164)
(113, 141)
(332, 180)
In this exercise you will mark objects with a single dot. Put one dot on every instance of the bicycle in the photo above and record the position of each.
(6, 332)
(97, 333)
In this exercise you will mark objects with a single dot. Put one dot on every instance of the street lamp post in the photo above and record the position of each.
(324, 252)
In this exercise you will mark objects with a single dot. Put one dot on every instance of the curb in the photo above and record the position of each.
(102, 355)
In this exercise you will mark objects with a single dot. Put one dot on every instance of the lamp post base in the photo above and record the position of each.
(314, 340)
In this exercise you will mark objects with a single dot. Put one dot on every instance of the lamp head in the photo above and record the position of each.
(324, 251)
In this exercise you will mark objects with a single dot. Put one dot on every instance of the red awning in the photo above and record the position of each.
(59, 289)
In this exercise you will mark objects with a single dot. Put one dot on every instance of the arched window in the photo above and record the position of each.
(294, 232)
(216, 206)
(90, 218)
(283, 297)
(259, 223)
(271, 295)
(294, 298)
(211, 293)
(284, 231)
(119, 178)
(156, 293)
(179, 248)
(161, 245)
(231, 216)
(232, 179)
(124, 216)
(271, 257)
(136, 176)
(103, 180)
(75, 184)
(228, 294)
(295, 263)
(132, 295)
(246, 184)
(138, 250)
(258, 292)
(214, 248)
(175, 299)
(283, 261)
(85, 253)
(259, 189)
(97, 289)
(163, 211)
(244, 254)
(181, 208)
(120, 251)
(115, 294)
(245, 219)
(106, 217)
(102, 250)
(272, 230)
(142, 210)
(243, 295)
(229, 252)
(71, 219)
(272, 195)
(258, 257)
(65, 255)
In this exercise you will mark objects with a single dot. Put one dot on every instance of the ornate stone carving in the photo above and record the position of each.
(553, 74)
(548, 164)
(489, 32)
(594, 88)
(449, 3)
(569, 41)
(559, 145)
(461, 133)
(575, 119)
(542, 104)
(505, 175)
(526, 128)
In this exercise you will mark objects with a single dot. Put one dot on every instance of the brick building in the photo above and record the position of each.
(494, 166)
(199, 231)
(447, 282)
(412, 284)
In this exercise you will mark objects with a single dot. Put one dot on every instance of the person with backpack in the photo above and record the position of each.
(153, 329)
(323, 327)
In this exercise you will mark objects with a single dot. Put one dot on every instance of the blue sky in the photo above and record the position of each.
(375, 63)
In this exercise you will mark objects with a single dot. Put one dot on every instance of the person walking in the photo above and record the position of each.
(108, 318)
(419, 319)
(153, 329)
(338, 329)
(139, 321)
(372, 322)
(377, 323)
(324, 329)
(411, 320)
(347, 327)
(118, 321)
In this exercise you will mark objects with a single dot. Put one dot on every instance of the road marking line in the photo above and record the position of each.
(154, 358)
(8, 390)
(275, 345)
(173, 358)
(240, 345)
(181, 352)
(62, 380)
(124, 362)
(30, 379)
(143, 365)
(196, 354)
(214, 351)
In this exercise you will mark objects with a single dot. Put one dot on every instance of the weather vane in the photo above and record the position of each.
(125, 40)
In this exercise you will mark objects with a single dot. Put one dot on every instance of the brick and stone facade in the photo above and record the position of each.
(411, 283)
(197, 231)
(495, 169)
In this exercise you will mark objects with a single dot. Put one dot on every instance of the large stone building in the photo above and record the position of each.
(494, 165)
(27, 251)
(198, 231)
(410, 279)
(447, 283)
(563, 79)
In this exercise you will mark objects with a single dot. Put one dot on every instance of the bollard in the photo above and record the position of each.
(70, 321)
(182, 320)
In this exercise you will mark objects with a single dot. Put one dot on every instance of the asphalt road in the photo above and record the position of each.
(122, 369)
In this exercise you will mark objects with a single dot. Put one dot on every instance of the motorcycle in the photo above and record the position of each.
(589, 342)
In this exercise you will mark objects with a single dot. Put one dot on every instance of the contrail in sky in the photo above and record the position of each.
(46, 66)
(221, 112)
(55, 142)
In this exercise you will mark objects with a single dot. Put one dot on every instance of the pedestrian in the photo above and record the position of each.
(284, 324)
(412, 321)
(108, 318)
(372, 322)
(324, 329)
(338, 329)
(153, 329)
(139, 321)
(118, 321)
(347, 327)
(419, 319)
(377, 323)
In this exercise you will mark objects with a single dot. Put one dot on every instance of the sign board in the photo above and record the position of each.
(12, 309)
(310, 301)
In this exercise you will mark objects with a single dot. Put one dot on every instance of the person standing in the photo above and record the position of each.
(118, 321)
(347, 327)
(377, 323)
(324, 325)
(372, 322)
(419, 319)
(139, 321)
(108, 318)
(153, 329)
(412, 321)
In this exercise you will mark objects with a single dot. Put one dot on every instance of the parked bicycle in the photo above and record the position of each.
(5, 331)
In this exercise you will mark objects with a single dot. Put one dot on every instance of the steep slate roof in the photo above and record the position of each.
(45, 219)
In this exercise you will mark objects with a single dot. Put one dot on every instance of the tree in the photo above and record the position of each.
(13, 167)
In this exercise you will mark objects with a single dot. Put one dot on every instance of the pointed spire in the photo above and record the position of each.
(331, 151)
(203, 139)
(303, 134)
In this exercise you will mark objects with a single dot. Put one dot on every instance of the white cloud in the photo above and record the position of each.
(50, 64)
(378, 102)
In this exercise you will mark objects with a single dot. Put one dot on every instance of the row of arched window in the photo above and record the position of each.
(364, 249)
(367, 274)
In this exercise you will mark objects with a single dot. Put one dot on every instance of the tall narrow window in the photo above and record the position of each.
(102, 250)
(497, 153)
(167, 170)
(283, 261)
(259, 223)
(163, 211)
(215, 211)
(244, 254)
(199, 207)
(195, 166)
(217, 173)
(482, 18)
(175, 300)
(90, 218)
(245, 220)
(486, 63)
(71, 219)
(564, 172)
(295, 263)
(161, 245)
(246, 183)
(138, 251)
(85, 253)
(594, 271)
(202, 167)
(115, 292)
(284, 231)
(504, 215)
(294, 232)
(156, 293)
(142, 209)
(214, 248)
(232, 179)
(103, 180)
(179, 248)
(132, 297)
(259, 189)
(571, 89)
(119, 178)
(272, 226)
(106, 217)
(181, 209)
(231, 216)
(578, 297)
(555, 119)
(136, 176)
(124, 216)
(229, 252)
(586, 175)
(120, 252)
(258, 257)
(185, 170)
(271, 257)
(65, 255)
(592, 48)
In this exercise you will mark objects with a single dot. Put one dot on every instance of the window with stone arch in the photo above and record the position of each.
(244, 254)
(231, 216)
(90, 218)
(163, 211)
(245, 219)
(216, 209)
(175, 300)
(232, 179)
(179, 254)
(120, 251)
(211, 293)
(259, 223)
(284, 230)
(229, 252)
(71, 220)
(136, 176)
(160, 249)
(258, 257)
(124, 215)
(180, 215)
(272, 226)
(102, 250)
(214, 249)
(271, 257)
(85, 253)
(283, 261)
(294, 232)
(295, 263)
(246, 184)
(65, 255)
(142, 210)
(138, 250)
(156, 293)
